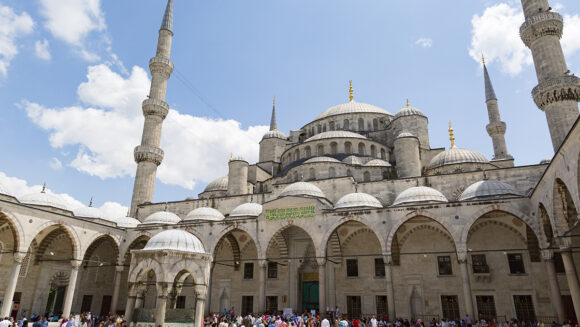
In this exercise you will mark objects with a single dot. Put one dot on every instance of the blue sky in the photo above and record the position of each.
(73, 74)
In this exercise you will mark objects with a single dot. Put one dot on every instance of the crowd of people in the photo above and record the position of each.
(78, 320)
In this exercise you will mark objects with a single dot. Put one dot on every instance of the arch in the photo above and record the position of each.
(431, 228)
(58, 230)
(367, 176)
(565, 213)
(320, 149)
(183, 269)
(319, 129)
(331, 125)
(383, 154)
(279, 232)
(546, 223)
(482, 223)
(143, 268)
(361, 149)
(227, 231)
(279, 241)
(96, 243)
(373, 151)
(347, 147)
(375, 124)
(138, 242)
(333, 148)
(361, 124)
(297, 155)
(349, 173)
(324, 127)
(16, 229)
(345, 125)
(307, 152)
(361, 219)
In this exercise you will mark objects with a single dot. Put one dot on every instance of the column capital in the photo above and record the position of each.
(119, 268)
(19, 256)
(387, 259)
(462, 256)
(200, 291)
(76, 264)
(263, 264)
(321, 262)
(547, 254)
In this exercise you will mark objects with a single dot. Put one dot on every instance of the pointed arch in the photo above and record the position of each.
(138, 243)
(99, 241)
(565, 213)
(360, 219)
(13, 223)
(546, 223)
(54, 231)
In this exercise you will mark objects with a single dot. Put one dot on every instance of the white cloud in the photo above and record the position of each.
(105, 130)
(55, 164)
(496, 34)
(571, 37)
(41, 49)
(12, 26)
(18, 187)
(424, 42)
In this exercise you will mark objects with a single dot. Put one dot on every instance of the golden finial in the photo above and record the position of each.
(482, 59)
(407, 103)
(451, 138)
(350, 92)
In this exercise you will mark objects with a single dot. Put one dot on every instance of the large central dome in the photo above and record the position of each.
(352, 107)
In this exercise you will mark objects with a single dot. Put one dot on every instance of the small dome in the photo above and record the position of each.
(335, 134)
(204, 213)
(404, 134)
(488, 188)
(302, 188)
(456, 156)
(377, 163)
(89, 212)
(352, 160)
(320, 159)
(44, 199)
(352, 107)
(249, 209)
(218, 184)
(419, 194)
(162, 217)
(545, 161)
(274, 134)
(354, 200)
(127, 222)
(177, 240)
(409, 111)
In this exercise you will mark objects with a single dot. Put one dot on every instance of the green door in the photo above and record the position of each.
(309, 296)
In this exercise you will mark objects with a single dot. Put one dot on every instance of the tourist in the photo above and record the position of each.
(6, 322)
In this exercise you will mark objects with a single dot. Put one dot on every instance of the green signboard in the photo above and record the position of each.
(290, 213)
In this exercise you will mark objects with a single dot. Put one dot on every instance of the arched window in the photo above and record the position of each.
(307, 152)
(320, 150)
(373, 151)
(375, 124)
(345, 125)
(361, 124)
(324, 128)
(331, 172)
(312, 174)
(297, 154)
(333, 148)
(361, 149)
(319, 128)
(367, 176)
(348, 173)
(347, 148)
(331, 126)
(383, 154)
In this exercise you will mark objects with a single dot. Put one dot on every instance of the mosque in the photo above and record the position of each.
(354, 211)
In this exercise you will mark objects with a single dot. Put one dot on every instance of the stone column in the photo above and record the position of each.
(11, 285)
(208, 306)
(200, 296)
(390, 288)
(555, 295)
(572, 280)
(161, 306)
(130, 306)
(321, 286)
(262, 265)
(117, 286)
(466, 283)
(70, 290)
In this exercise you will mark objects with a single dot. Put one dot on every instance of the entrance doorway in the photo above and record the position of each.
(309, 296)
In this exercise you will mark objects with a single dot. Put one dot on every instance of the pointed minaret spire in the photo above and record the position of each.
(273, 126)
(91, 202)
(496, 128)
(167, 23)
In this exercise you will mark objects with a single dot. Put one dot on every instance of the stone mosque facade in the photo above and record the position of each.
(355, 211)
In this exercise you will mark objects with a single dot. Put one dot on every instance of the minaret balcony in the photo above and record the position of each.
(161, 65)
(541, 24)
(148, 153)
(556, 89)
(155, 107)
(496, 128)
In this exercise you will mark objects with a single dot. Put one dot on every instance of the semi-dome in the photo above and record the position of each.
(409, 111)
(176, 240)
(274, 134)
(249, 209)
(218, 184)
(352, 107)
(419, 194)
(335, 134)
(456, 156)
(488, 188)
(44, 199)
(204, 213)
(162, 217)
(357, 200)
(320, 159)
(352, 160)
(89, 212)
(127, 222)
(302, 188)
(378, 163)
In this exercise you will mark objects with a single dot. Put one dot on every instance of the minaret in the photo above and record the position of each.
(149, 155)
(496, 128)
(273, 126)
(557, 92)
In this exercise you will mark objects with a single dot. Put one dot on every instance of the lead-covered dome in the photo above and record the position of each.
(352, 107)
(127, 222)
(204, 213)
(321, 159)
(420, 194)
(249, 209)
(358, 200)
(409, 111)
(89, 212)
(335, 134)
(302, 188)
(162, 217)
(456, 156)
(218, 184)
(377, 163)
(176, 240)
(44, 199)
(488, 188)
(274, 134)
